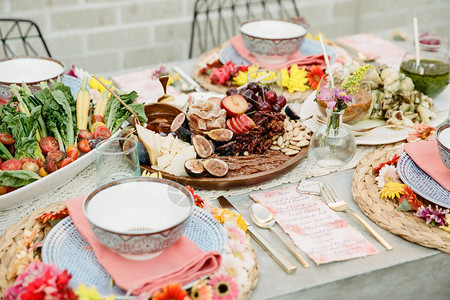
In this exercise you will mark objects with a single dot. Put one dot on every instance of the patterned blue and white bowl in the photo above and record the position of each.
(272, 41)
(443, 138)
(139, 217)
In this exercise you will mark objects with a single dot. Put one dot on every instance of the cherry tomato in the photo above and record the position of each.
(30, 166)
(85, 134)
(3, 190)
(40, 162)
(50, 166)
(83, 146)
(48, 144)
(11, 149)
(66, 161)
(10, 189)
(95, 125)
(11, 164)
(102, 132)
(28, 159)
(55, 156)
(71, 147)
(6, 139)
(73, 154)
(42, 172)
(97, 118)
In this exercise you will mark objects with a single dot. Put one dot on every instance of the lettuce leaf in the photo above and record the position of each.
(17, 178)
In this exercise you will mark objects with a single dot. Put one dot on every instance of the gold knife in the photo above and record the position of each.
(285, 263)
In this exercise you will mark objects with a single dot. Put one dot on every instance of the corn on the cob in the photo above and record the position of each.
(100, 107)
(83, 101)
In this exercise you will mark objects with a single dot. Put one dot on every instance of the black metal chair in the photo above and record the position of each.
(22, 37)
(215, 21)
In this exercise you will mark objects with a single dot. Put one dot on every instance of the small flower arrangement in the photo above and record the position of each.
(41, 281)
(338, 99)
(393, 189)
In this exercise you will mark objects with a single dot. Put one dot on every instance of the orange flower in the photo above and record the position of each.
(198, 200)
(393, 161)
(314, 75)
(52, 216)
(411, 198)
(172, 291)
(421, 131)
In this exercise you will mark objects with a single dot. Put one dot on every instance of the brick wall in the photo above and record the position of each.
(110, 35)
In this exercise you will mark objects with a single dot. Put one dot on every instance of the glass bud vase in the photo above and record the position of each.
(333, 145)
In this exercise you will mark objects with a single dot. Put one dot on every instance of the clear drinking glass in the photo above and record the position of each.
(116, 158)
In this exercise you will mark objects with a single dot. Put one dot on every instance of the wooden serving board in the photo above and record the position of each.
(228, 182)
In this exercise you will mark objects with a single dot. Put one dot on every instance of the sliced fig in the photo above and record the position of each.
(202, 146)
(290, 113)
(227, 149)
(184, 134)
(194, 167)
(215, 167)
(179, 121)
(220, 136)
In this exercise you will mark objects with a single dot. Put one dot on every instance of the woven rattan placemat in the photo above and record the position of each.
(383, 212)
(204, 81)
(10, 239)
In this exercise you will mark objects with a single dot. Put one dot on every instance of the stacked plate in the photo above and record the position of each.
(66, 248)
(422, 183)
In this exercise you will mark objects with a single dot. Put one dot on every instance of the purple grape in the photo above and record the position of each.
(231, 91)
(253, 86)
(265, 106)
(276, 107)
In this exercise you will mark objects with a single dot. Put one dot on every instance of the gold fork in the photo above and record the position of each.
(343, 206)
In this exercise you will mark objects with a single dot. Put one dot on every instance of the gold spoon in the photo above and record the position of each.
(265, 219)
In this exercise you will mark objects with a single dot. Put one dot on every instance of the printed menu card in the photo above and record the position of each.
(313, 226)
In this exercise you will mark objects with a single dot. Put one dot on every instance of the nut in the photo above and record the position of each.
(303, 143)
(273, 147)
(293, 147)
(291, 152)
(280, 140)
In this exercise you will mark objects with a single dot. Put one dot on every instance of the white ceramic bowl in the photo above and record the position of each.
(443, 138)
(272, 41)
(139, 217)
(28, 69)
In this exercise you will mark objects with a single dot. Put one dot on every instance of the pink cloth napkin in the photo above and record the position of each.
(426, 155)
(182, 263)
(296, 58)
(148, 89)
(370, 44)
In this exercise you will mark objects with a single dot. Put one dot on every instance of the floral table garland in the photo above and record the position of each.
(392, 188)
(235, 278)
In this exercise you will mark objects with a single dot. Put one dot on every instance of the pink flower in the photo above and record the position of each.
(41, 281)
(343, 95)
(422, 131)
(435, 217)
(337, 99)
(224, 287)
